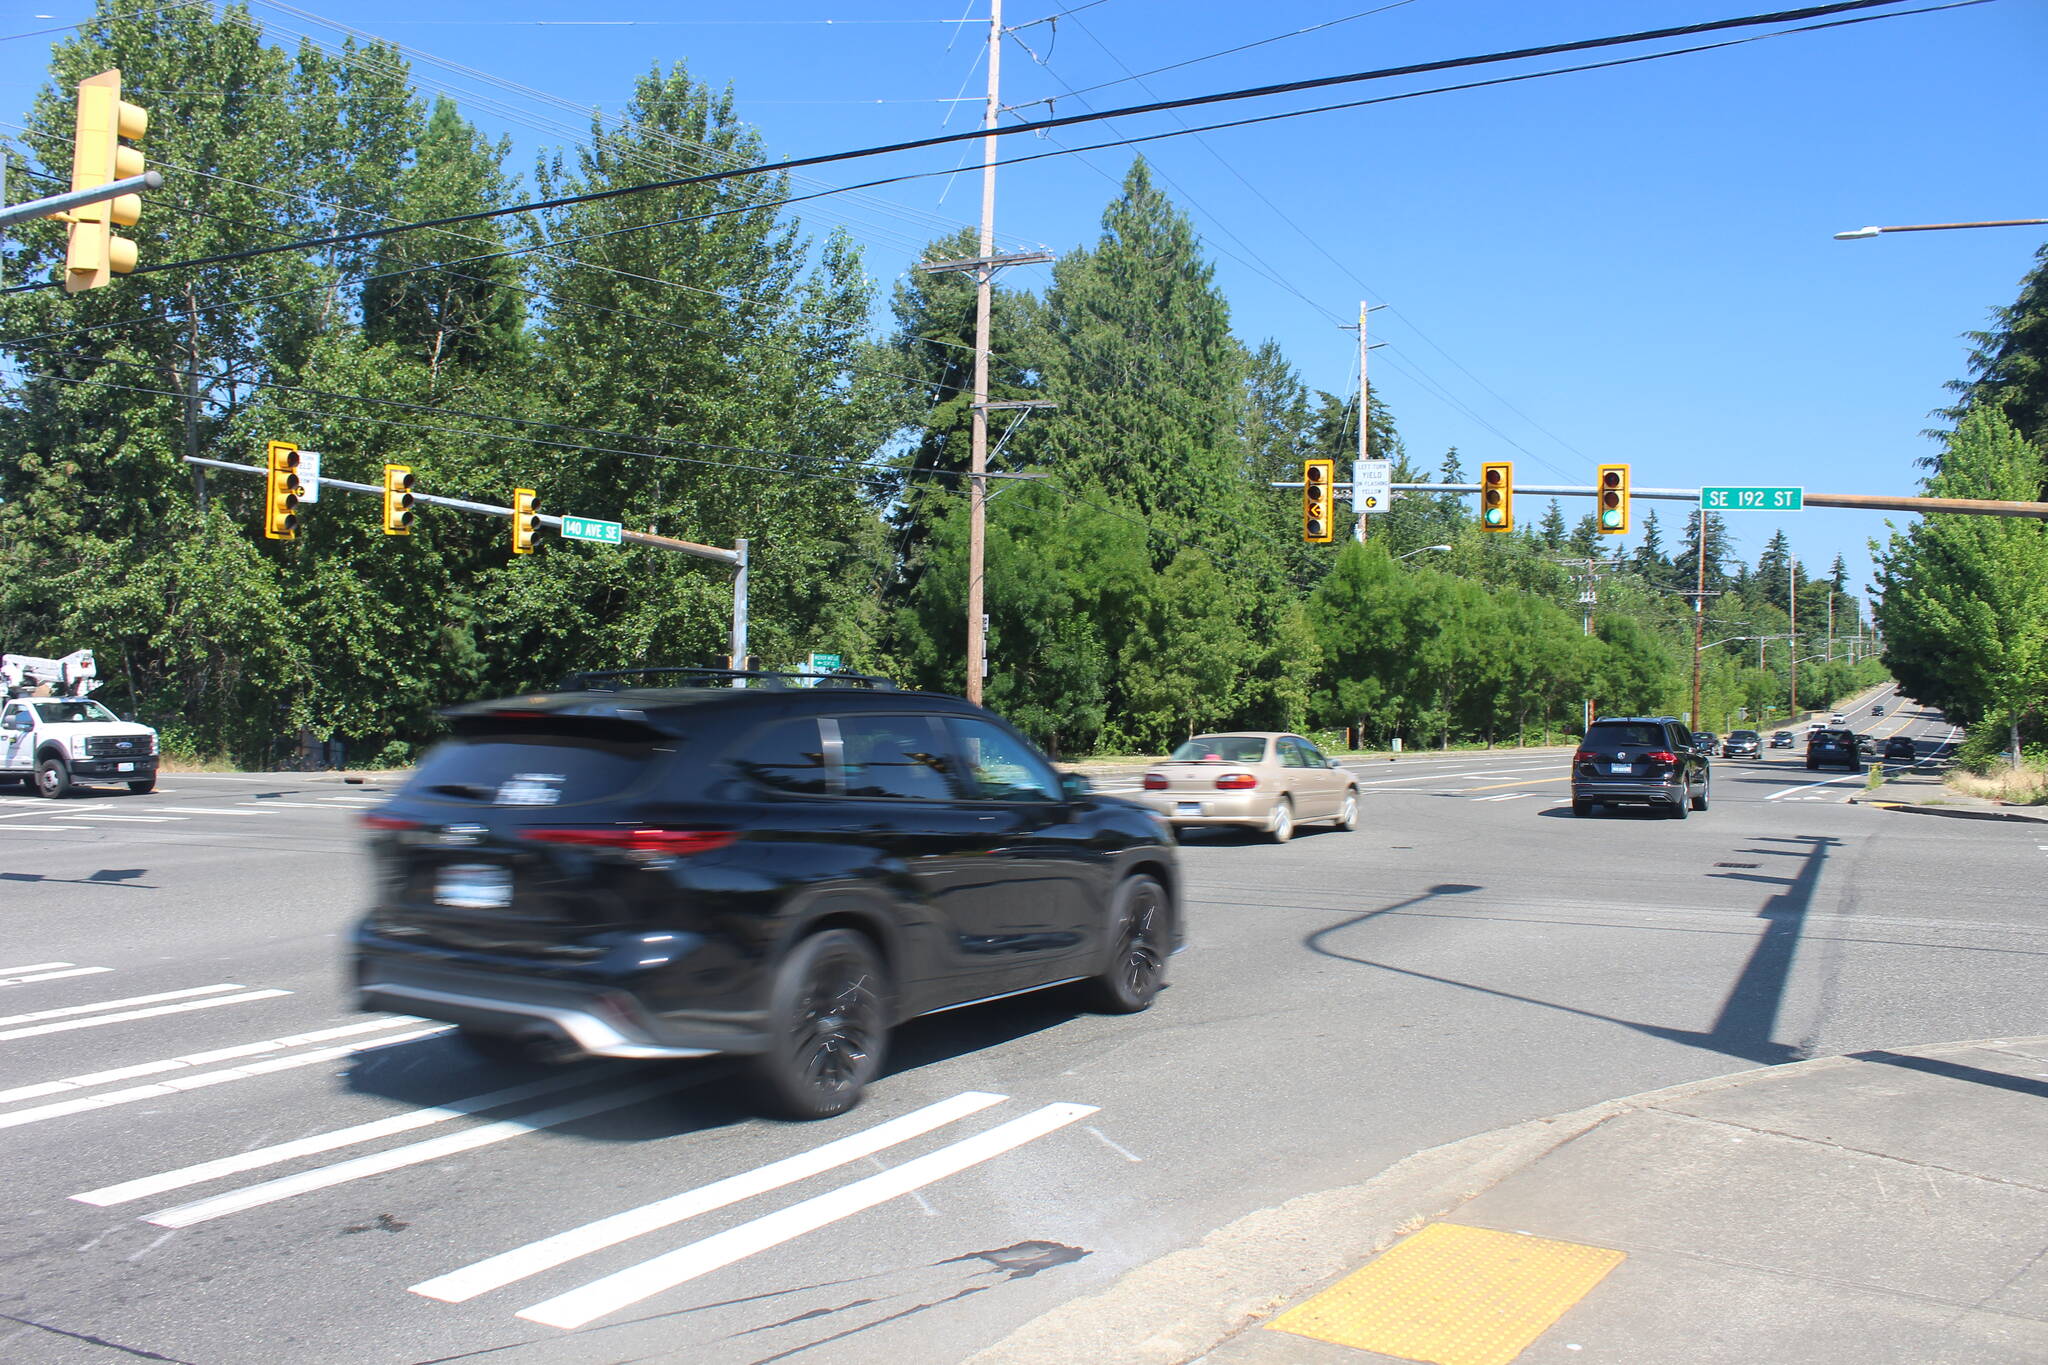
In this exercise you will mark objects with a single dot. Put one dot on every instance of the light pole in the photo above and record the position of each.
(1858, 234)
(1425, 549)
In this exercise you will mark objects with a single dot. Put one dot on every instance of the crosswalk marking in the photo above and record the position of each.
(295, 805)
(685, 1263)
(4, 829)
(377, 1163)
(208, 810)
(66, 1025)
(68, 1010)
(461, 1285)
(202, 1079)
(46, 971)
(223, 1054)
(109, 815)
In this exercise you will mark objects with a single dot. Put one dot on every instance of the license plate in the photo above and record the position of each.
(1621, 767)
(124, 767)
(473, 886)
(1187, 808)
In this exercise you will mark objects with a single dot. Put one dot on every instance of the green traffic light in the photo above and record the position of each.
(1611, 517)
(1493, 516)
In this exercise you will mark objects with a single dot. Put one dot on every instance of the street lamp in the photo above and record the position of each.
(1424, 549)
(1857, 234)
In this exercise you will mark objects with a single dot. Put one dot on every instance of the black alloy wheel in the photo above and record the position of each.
(828, 1027)
(1137, 965)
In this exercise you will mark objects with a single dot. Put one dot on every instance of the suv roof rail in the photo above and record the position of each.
(597, 679)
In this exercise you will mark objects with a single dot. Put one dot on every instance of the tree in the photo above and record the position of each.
(2009, 363)
(1649, 561)
(1551, 530)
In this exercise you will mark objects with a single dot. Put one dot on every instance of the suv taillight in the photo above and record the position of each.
(1584, 756)
(680, 843)
(388, 822)
(1236, 782)
(1155, 782)
(1662, 756)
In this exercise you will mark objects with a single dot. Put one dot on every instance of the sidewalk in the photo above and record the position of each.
(1876, 1208)
(1921, 791)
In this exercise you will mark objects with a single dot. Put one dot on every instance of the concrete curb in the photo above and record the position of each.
(1177, 1308)
(1953, 812)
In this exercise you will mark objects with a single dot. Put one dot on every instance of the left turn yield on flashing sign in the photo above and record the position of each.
(1372, 485)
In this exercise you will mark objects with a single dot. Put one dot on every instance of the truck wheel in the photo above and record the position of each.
(144, 787)
(53, 778)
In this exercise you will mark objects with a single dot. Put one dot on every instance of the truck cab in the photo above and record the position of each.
(58, 742)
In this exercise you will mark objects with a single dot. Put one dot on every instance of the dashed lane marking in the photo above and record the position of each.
(24, 976)
(127, 1016)
(637, 1283)
(195, 1059)
(208, 810)
(462, 1285)
(109, 815)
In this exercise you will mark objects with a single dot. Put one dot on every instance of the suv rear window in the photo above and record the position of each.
(533, 770)
(1624, 735)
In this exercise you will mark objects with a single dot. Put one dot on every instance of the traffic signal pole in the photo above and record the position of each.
(1982, 507)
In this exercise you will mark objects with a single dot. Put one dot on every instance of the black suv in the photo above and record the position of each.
(1836, 748)
(779, 872)
(1641, 761)
(1900, 746)
(1742, 744)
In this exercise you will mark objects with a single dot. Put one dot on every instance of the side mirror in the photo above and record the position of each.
(1074, 786)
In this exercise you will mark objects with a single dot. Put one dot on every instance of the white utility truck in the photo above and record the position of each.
(54, 735)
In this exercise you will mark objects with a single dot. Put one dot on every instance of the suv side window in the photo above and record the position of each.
(1001, 767)
(787, 756)
(895, 756)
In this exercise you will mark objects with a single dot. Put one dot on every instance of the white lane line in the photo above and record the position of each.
(223, 1054)
(1781, 795)
(413, 1154)
(295, 805)
(208, 810)
(75, 829)
(65, 1026)
(34, 967)
(1506, 796)
(201, 1079)
(27, 814)
(498, 1271)
(159, 997)
(1454, 777)
(644, 1281)
(316, 1143)
(69, 971)
(132, 819)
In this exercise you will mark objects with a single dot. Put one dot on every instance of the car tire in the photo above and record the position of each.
(1679, 807)
(144, 787)
(53, 778)
(1584, 809)
(1139, 921)
(1280, 824)
(1699, 800)
(1347, 814)
(507, 1048)
(1811, 765)
(827, 1027)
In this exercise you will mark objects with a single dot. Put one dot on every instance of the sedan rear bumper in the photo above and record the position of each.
(1253, 808)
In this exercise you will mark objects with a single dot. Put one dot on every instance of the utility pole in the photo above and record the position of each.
(1364, 419)
(1792, 601)
(1699, 619)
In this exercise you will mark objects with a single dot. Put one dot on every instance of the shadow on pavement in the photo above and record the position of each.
(1749, 1012)
(1976, 1075)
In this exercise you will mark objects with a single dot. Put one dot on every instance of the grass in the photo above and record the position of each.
(2026, 785)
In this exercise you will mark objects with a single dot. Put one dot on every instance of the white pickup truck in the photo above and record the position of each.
(56, 742)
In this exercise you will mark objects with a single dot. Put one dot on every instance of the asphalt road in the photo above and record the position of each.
(210, 1159)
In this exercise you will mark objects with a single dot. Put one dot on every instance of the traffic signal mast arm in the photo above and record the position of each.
(1862, 501)
(713, 552)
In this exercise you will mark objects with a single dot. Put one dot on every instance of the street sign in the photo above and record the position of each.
(588, 528)
(824, 663)
(1372, 485)
(1752, 499)
(309, 475)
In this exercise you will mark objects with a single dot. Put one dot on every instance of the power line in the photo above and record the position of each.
(1289, 87)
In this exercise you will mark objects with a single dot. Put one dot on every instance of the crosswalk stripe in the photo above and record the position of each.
(461, 1285)
(68, 1010)
(222, 1054)
(413, 1154)
(10, 829)
(296, 805)
(69, 971)
(33, 967)
(316, 1143)
(209, 810)
(202, 1079)
(130, 819)
(685, 1263)
(127, 1016)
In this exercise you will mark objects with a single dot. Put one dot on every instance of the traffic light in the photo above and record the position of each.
(94, 254)
(1318, 500)
(397, 500)
(281, 489)
(524, 522)
(1497, 496)
(1611, 499)
(750, 663)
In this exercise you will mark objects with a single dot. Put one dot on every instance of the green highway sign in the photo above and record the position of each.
(824, 663)
(588, 528)
(1752, 499)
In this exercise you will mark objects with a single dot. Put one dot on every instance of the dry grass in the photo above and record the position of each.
(2023, 786)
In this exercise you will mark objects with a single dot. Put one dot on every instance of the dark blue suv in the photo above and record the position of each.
(779, 872)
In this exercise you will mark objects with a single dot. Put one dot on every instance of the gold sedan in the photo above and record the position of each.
(1262, 780)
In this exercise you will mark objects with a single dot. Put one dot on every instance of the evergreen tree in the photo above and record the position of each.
(1551, 530)
(2009, 363)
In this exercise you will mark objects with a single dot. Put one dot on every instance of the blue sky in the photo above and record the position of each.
(1633, 264)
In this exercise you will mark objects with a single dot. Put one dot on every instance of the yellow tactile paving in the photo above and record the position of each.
(1453, 1295)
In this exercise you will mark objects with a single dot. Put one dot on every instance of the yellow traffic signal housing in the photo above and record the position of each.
(281, 489)
(1610, 499)
(94, 254)
(1318, 501)
(397, 500)
(1497, 496)
(524, 521)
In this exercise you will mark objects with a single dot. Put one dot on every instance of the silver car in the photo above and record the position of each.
(1262, 780)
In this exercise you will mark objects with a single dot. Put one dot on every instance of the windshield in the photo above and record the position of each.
(1222, 749)
(73, 712)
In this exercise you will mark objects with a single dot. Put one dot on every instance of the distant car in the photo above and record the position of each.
(1742, 744)
(1898, 746)
(1261, 780)
(1641, 761)
(1877, 710)
(1704, 741)
(1832, 748)
(1836, 720)
(1866, 746)
(1782, 740)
